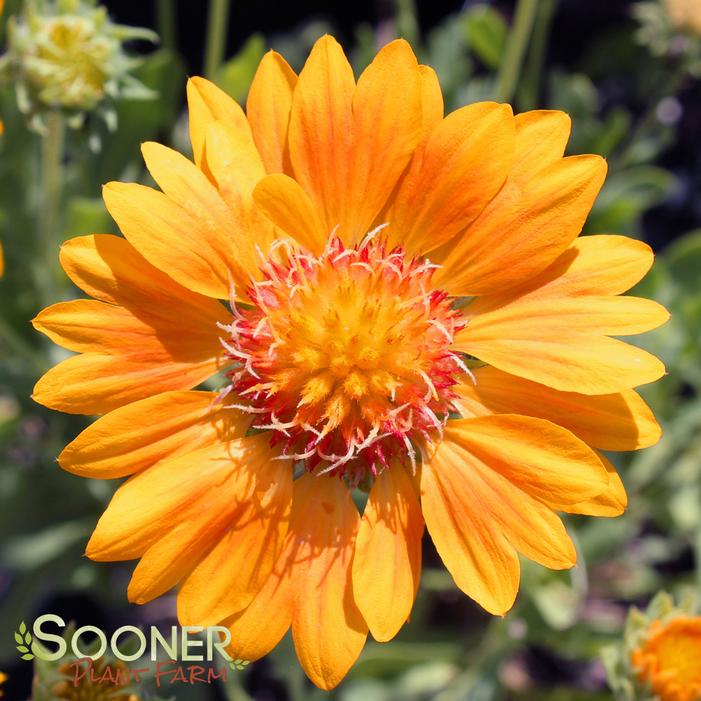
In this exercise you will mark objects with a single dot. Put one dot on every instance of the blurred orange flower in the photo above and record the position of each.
(668, 660)
(685, 14)
(411, 313)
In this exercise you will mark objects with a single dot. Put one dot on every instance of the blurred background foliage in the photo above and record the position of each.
(628, 76)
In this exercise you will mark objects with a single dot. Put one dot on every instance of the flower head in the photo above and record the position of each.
(685, 14)
(411, 314)
(668, 661)
(659, 657)
(67, 54)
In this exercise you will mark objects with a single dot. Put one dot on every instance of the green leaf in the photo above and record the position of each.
(684, 259)
(235, 76)
(573, 93)
(611, 132)
(22, 627)
(86, 215)
(28, 656)
(486, 34)
(30, 551)
(18, 638)
(626, 195)
(23, 648)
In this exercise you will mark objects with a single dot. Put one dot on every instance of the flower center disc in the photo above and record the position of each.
(346, 356)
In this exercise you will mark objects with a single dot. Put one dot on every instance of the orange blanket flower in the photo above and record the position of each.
(668, 660)
(411, 313)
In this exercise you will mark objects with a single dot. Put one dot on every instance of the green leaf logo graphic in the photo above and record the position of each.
(23, 638)
(239, 664)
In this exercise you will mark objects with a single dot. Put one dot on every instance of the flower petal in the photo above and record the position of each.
(432, 107)
(610, 503)
(432, 111)
(135, 437)
(550, 329)
(169, 237)
(387, 561)
(620, 421)
(482, 562)
(567, 361)
(388, 126)
(137, 346)
(610, 316)
(86, 325)
(228, 246)
(602, 264)
(268, 108)
(257, 629)
(206, 104)
(236, 168)
(233, 163)
(321, 129)
(236, 569)
(149, 505)
(93, 383)
(539, 457)
(283, 201)
(541, 138)
(110, 269)
(465, 162)
(529, 223)
(328, 629)
(350, 145)
(526, 522)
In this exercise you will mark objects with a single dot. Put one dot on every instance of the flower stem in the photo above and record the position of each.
(50, 217)
(217, 24)
(530, 93)
(405, 20)
(167, 28)
(517, 43)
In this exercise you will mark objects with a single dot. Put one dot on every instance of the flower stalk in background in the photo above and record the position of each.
(2, 131)
(68, 56)
(412, 320)
(658, 659)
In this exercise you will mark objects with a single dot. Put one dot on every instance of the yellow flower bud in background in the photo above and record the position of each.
(69, 55)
